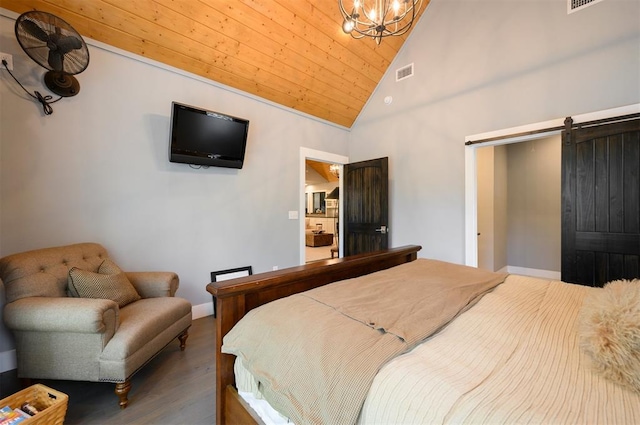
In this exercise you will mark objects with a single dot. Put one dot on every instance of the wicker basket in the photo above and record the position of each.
(52, 404)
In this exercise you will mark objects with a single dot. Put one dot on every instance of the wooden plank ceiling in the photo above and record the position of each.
(323, 169)
(291, 52)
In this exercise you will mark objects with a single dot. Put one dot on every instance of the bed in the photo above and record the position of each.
(501, 349)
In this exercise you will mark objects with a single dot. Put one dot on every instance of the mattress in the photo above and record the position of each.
(514, 357)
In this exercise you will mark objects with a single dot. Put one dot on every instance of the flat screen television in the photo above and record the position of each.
(207, 138)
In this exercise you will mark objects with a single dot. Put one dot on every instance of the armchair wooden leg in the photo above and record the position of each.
(122, 391)
(183, 339)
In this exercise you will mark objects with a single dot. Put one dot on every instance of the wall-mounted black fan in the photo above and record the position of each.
(56, 46)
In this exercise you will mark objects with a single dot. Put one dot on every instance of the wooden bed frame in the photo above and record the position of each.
(235, 297)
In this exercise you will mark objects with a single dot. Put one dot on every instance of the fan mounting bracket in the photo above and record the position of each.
(62, 84)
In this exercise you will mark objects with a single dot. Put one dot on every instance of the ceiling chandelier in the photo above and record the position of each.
(334, 169)
(378, 18)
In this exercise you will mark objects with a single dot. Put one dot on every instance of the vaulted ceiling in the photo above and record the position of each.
(290, 52)
(322, 171)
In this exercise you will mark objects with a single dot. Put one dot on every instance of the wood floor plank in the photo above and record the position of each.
(176, 387)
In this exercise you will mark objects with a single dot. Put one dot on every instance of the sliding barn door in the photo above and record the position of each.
(366, 206)
(601, 203)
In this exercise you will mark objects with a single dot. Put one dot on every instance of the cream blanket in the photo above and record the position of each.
(514, 358)
(315, 354)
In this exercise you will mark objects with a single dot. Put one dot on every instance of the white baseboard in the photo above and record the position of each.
(202, 310)
(9, 361)
(544, 274)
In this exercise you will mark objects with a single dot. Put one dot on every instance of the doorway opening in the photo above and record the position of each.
(506, 137)
(320, 205)
(519, 207)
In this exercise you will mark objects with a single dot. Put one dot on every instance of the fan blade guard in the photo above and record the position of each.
(34, 29)
(51, 42)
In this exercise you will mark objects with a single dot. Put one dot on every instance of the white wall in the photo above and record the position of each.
(500, 207)
(519, 208)
(486, 215)
(492, 207)
(98, 170)
(483, 65)
(534, 204)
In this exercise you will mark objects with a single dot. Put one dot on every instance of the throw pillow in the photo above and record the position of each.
(108, 283)
(109, 267)
(609, 331)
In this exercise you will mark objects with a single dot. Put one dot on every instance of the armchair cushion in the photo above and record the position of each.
(132, 346)
(109, 283)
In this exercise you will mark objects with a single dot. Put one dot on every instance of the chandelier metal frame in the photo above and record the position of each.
(366, 20)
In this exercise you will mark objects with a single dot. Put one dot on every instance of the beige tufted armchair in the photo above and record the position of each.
(59, 336)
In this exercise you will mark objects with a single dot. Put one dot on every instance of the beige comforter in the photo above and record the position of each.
(514, 358)
(315, 354)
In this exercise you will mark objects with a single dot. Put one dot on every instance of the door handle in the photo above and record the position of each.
(383, 229)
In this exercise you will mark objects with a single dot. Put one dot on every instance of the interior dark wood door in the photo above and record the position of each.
(366, 206)
(601, 203)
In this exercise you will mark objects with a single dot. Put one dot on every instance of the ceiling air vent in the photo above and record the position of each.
(575, 5)
(404, 72)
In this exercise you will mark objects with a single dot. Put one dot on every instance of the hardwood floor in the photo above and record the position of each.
(317, 253)
(174, 388)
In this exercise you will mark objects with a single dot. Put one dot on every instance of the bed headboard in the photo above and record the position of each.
(235, 297)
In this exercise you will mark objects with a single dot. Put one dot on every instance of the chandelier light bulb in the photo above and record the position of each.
(348, 25)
